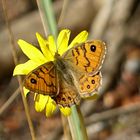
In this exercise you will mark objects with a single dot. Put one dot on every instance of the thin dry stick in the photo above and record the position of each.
(13, 48)
(71, 128)
(9, 101)
(66, 129)
(42, 16)
(63, 11)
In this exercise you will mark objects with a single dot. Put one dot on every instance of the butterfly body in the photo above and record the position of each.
(63, 69)
(71, 76)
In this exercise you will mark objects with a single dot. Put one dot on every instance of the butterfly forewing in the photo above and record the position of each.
(43, 80)
(86, 57)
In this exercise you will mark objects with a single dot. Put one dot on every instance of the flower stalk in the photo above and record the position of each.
(76, 123)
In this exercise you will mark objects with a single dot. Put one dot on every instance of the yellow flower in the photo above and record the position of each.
(36, 58)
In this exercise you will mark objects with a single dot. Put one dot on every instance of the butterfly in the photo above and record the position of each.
(70, 77)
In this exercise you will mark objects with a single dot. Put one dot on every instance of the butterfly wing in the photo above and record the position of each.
(86, 57)
(85, 60)
(67, 96)
(88, 85)
(43, 80)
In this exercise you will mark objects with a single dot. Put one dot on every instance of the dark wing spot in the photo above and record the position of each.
(93, 48)
(88, 86)
(33, 81)
(92, 81)
(64, 99)
(69, 98)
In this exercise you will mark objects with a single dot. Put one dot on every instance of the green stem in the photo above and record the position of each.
(76, 123)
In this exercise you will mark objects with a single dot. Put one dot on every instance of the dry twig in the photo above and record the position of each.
(9, 101)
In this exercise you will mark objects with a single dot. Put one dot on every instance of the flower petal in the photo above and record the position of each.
(52, 45)
(44, 45)
(65, 110)
(25, 68)
(50, 107)
(31, 52)
(81, 37)
(40, 102)
(26, 91)
(62, 41)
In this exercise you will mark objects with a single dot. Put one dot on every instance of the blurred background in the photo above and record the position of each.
(115, 115)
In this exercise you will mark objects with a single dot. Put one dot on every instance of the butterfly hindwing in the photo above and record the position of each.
(67, 96)
(88, 56)
(88, 85)
(43, 80)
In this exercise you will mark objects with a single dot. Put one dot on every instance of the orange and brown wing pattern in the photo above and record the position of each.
(43, 80)
(88, 85)
(87, 57)
(67, 96)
